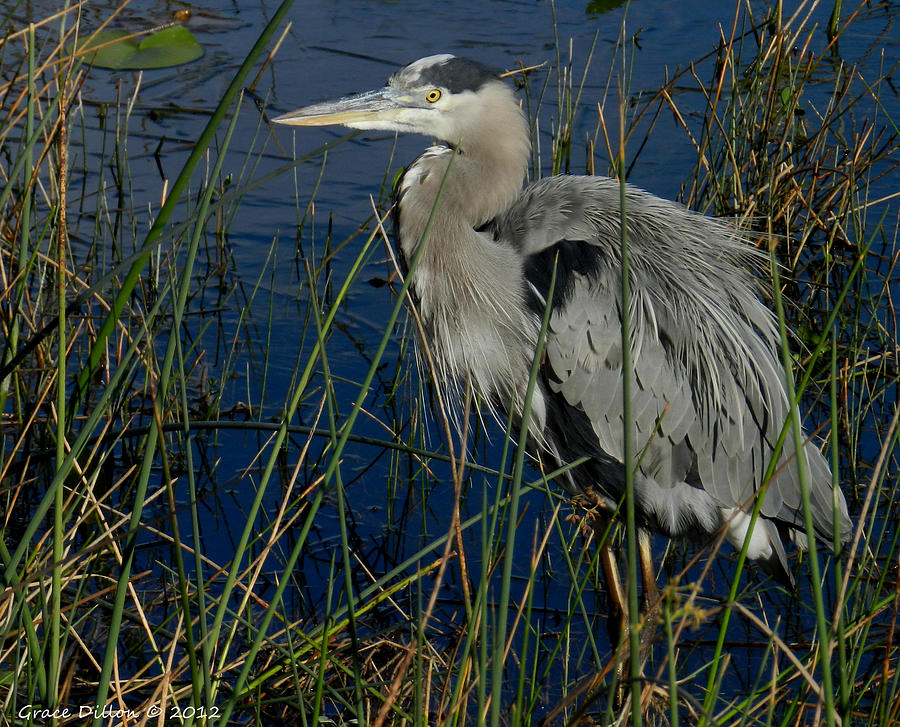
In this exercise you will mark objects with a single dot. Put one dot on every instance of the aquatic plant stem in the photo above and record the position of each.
(840, 626)
(834, 22)
(55, 615)
(802, 474)
(631, 535)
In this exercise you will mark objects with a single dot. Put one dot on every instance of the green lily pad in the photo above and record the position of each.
(170, 46)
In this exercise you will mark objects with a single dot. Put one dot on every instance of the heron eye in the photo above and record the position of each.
(433, 95)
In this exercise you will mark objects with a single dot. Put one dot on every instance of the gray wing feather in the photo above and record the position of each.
(709, 400)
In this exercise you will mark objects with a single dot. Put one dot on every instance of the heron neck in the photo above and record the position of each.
(469, 295)
(493, 156)
(490, 175)
(469, 184)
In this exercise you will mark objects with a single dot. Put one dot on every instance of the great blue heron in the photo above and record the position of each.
(709, 400)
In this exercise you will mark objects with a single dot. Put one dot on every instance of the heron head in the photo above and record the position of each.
(441, 96)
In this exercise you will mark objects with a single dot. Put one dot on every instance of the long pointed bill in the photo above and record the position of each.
(369, 110)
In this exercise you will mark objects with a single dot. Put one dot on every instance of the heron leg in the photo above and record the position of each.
(618, 598)
(617, 622)
(651, 596)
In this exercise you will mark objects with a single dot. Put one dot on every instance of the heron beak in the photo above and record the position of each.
(363, 111)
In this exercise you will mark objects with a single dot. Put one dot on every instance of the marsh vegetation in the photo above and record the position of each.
(191, 524)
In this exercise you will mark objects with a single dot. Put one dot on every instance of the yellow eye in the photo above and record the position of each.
(433, 95)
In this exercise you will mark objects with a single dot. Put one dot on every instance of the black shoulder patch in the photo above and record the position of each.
(571, 258)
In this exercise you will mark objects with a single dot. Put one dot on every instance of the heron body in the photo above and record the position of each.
(708, 401)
